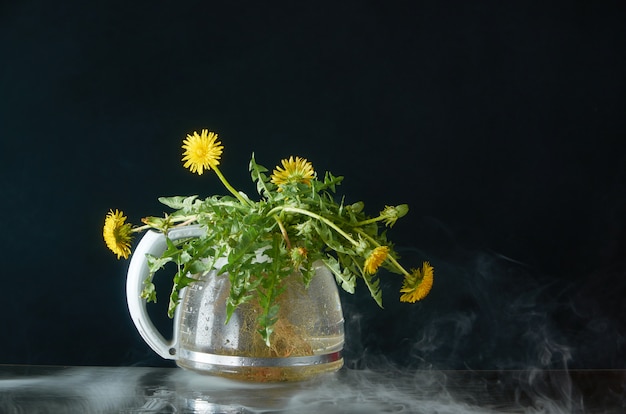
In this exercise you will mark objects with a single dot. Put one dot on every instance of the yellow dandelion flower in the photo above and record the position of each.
(201, 151)
(418, 284)
(293, 171)
(375, 259)
(117, 233)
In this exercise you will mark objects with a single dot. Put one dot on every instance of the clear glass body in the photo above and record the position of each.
(307, 339)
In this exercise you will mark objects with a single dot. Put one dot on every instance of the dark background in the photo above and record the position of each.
(500, 123)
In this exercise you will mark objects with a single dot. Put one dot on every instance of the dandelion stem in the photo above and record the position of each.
(229, 187)
(183, 220)
(398, 265)
(317, 217)
(283, 231)
(369, 221)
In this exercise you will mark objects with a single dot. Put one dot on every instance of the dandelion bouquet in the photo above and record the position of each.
(295, 222)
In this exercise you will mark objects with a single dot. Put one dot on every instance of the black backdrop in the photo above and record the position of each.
(500, 123)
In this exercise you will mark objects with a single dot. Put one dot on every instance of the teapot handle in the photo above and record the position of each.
(152, 243)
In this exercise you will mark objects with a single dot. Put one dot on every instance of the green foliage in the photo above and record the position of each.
(373, 284)
(345, 278)
(179, 202)
(265, 242)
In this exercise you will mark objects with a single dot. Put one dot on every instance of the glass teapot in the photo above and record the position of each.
(307, 340)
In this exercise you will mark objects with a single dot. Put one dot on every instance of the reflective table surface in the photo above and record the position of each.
(49, 389)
